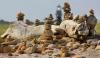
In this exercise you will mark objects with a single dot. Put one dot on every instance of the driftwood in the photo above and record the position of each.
(22, 31)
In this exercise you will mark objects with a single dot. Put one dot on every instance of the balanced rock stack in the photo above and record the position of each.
(47, 34)
(67, 12)
(49, 19)
(20, 16)
(37, 21)
(91, 22)
(59, 34)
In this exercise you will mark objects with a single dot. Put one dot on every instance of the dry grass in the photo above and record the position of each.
(98, 28)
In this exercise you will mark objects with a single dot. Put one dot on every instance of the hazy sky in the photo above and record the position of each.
(41, 8)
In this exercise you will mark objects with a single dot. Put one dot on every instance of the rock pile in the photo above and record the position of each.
(37, 22)
(58, 43)
(67, 12)
(47, 34)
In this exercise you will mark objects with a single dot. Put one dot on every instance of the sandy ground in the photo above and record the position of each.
(87, 54)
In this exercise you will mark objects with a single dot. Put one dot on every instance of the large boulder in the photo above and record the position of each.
(73, 29)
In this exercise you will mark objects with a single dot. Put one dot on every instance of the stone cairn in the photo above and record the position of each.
(49, 19)
(91, 12)
(37, 22)
(55, 44)
(28, 22)
(47, 34)
(91, 22)
(20, 16)
(67, 12)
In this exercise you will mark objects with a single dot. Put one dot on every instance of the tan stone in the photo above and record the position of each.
(97, 47)
(76, 45)
(70, 44)
(21, 48)
(68, 16)
(78, 56)
(51, 46)
(6, 49)
(64, 52)
(47, 26)
(47, 34)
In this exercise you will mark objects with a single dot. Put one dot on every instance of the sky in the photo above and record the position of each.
(39, 9)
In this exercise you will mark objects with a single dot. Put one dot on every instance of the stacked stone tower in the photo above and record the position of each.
(67, 12)
(20, 16)
(47, 34)
(37, 22)
(91, 22)
(49, 19)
